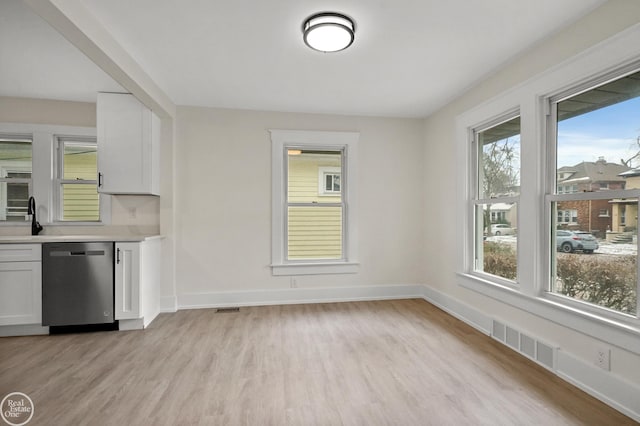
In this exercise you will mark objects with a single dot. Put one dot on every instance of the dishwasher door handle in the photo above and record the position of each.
(65, 253)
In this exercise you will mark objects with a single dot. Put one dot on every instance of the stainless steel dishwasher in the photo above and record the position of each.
(77, 283)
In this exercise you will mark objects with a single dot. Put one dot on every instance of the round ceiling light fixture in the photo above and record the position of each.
(328, 31)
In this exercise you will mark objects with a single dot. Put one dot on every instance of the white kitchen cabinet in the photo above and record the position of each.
(20, 284)
(137, 281)
(127, 282)
(128, 146)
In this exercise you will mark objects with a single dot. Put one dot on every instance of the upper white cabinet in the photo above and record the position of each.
(128, 146)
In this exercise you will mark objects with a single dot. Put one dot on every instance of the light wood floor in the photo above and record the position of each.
(366, 363)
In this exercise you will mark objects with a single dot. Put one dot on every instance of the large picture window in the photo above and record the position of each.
(314, 202)
(595, 133)
(571, 256)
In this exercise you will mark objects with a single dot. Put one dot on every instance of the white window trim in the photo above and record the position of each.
(43, 171)
(477, 201)
(322, 171)
(301, 138)
(531, 98)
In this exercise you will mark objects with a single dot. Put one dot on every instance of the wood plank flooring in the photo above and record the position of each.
(363, 363)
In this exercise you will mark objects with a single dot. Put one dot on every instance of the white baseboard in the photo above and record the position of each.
(291, 296)
(130, 324)
(462, 311)
(608, 388)
(23, 330)
(168, 304)
(605, 386)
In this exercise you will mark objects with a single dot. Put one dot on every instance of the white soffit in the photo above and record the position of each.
(38, 62)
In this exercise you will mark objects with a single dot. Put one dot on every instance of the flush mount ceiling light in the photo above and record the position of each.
(328, 32)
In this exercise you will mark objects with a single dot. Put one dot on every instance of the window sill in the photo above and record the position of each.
(615, 332)
(315, 268)
(70, 223)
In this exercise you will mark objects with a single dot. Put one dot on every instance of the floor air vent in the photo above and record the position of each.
(528, 346)
(226, 310)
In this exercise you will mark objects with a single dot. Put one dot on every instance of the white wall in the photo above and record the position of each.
(223, 199)
(440, 160)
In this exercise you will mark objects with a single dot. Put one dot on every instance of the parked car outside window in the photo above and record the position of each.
(502, 229)
(570, 241)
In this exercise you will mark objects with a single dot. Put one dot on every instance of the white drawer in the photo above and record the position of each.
(20, 252)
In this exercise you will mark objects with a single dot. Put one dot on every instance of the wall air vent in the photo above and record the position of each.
(513, 338)
(497, 331)
(545, 355)
(540, 352)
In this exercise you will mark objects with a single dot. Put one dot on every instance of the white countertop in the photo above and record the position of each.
(26, 239)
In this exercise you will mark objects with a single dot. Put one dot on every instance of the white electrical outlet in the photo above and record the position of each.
(603, 358)
(294, 283)
(133, 213)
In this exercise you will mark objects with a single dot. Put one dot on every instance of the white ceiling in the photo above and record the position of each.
(409, 57)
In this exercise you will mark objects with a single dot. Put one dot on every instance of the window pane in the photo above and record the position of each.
(17, 197)
(80, 202)
(496, 239)
(328, 182)
(314, 232)
(598, 143)
(598, 149)
(499, 160)
(597, 265)
(80, 162)
(15, 178)
(307, 182)
(332, 183)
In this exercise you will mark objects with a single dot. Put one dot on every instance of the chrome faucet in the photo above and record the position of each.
(35, 226)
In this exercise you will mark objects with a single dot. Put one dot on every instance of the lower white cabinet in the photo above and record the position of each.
(20, 284)
(137, 281)
(127, 291)
(137, 286)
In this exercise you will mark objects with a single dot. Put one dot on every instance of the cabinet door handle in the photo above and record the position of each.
(99, 180)
(118, 256)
